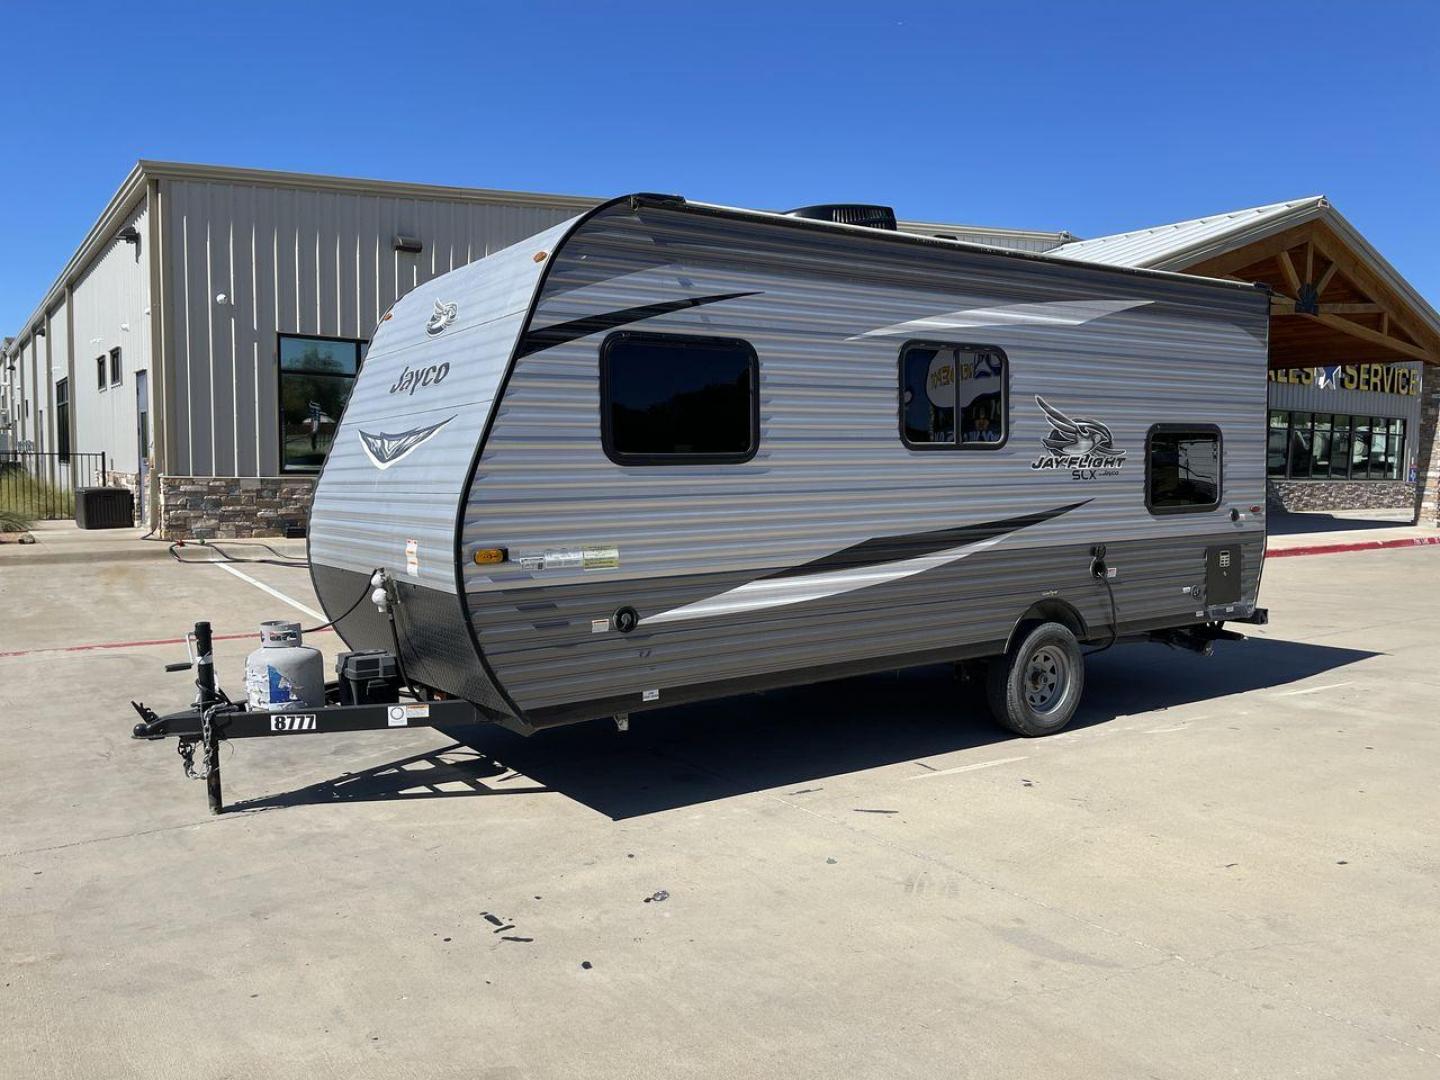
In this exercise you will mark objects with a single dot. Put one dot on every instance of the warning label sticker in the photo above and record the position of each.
(590, 558)
(412, 558)
(401, 715)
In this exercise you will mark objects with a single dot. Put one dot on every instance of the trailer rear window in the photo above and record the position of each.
(667, 399)
(1182, 471)
(952, 397)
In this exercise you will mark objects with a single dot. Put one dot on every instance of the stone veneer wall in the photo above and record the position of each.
(230, 507)
(1300, 495)
(1427, 459)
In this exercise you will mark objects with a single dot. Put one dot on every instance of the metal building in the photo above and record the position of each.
(201, 342)
(204, 336)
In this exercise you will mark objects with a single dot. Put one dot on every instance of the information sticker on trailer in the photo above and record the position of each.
(412, 558)
(401, 715)
(591, 558)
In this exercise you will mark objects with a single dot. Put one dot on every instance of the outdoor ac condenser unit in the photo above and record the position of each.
(105, 508)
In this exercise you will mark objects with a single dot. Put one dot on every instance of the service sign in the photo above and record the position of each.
(1372, 378)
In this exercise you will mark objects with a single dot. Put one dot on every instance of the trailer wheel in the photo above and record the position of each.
(1035, 688)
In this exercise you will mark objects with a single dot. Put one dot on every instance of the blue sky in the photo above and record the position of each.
(1090, 117)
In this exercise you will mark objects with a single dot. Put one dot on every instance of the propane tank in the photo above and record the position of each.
(284, 675)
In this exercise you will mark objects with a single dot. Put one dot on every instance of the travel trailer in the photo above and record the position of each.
(667, 451)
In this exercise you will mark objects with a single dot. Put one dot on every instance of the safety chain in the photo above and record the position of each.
(186, 749)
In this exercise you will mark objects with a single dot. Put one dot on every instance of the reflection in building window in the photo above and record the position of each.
(316, 375)
(1322, 446)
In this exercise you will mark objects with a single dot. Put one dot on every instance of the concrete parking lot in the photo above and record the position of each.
(1227, 867)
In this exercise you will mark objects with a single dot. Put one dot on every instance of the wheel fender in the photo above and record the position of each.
(1043, 611)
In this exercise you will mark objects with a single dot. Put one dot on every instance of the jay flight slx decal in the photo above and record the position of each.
(1083, 446)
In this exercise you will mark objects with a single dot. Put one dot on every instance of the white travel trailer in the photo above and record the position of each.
(667, 451)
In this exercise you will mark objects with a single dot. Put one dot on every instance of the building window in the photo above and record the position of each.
(62, 420)
(1182, 469)
(952, 397)
(1326, 446)
(100, 369)
(667, 399)
(316, 376)
(115, 366)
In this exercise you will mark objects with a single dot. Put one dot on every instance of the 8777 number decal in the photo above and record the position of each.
(287, 722)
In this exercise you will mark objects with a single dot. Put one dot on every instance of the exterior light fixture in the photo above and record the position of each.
(411, 244)
(130, 234)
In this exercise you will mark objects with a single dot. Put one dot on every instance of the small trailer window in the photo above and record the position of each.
(1182, 469)
(952, 397)
(667, 399)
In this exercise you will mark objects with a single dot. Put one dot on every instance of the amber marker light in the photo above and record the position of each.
(540, 256)
(489, 556)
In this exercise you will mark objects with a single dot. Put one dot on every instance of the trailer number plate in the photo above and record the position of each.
(293, 722)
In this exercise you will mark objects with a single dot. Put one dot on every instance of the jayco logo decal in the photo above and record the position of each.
(1082, 445)
(427, 376)
(443, 315)
(384, 449)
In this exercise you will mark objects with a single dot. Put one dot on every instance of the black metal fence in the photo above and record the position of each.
(41, 485)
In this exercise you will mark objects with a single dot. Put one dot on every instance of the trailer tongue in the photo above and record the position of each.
(214, 718)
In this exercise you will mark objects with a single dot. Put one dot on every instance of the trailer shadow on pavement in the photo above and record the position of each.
(797, 738)
(444, 773)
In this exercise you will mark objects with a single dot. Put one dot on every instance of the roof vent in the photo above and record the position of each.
(873, 217)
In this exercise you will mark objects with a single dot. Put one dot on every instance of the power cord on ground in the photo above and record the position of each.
(280, 559)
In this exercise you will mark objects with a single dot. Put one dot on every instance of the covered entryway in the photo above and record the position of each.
(1336, 301)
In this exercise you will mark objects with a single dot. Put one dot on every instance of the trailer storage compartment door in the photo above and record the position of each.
(1223, 566)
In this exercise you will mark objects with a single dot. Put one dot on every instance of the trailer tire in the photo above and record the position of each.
(1035, 688)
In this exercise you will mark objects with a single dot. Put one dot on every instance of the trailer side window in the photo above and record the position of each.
(1182, 469)
(670, 399)
(952, 397)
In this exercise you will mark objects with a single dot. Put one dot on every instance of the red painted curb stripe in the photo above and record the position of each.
(136, 644)
(1358, 545)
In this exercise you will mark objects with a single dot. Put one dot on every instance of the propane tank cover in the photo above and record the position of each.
(284, 674)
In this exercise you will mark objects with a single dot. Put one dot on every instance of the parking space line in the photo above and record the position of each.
(1315, 689)
(965, 768)
(276, 593)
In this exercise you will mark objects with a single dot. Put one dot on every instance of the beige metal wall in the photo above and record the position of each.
(111, 301)
(289, 260)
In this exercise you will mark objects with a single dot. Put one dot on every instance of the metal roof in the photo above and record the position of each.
(1185, 243)
(1189, 243)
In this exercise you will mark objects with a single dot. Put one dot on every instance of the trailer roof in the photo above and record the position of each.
(898, 236)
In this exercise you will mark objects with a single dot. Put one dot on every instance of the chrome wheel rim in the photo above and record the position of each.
(1047, 678)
